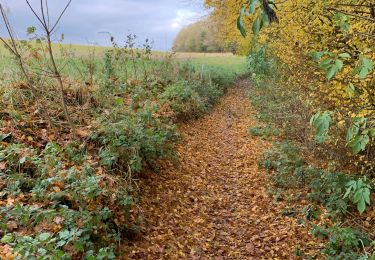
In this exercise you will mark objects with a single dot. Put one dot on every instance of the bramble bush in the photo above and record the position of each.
(59, 207)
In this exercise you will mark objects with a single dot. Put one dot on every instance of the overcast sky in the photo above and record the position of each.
(159, 20)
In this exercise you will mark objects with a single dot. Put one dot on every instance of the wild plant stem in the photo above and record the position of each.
(57, 75)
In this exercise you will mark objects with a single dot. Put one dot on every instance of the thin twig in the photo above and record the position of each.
(62, 13)
(351, 14)
(36, 15)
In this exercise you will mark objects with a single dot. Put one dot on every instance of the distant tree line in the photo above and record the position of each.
(201, 36)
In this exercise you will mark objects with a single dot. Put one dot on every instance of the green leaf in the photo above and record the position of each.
(119, 101)
(316, 55)
(64, 234)
(42, 251)
(341, 20)
(372, 132)
(44, 237)
(339, 64)
(361, 206)
(240, 23)
(264, 20)
(321, 122)
(325, 64)
(364, 67)
(357, 124)
(332, 72)
(359, 143)
(253, 6)
(7, 239)
(366, 195)
(79, 246)
(345, 55)
(257, 25)
(31, 30)
(350, 90)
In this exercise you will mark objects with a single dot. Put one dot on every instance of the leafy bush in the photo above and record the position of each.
(208, 92)
(343, 242)
(287, 164)
(61, 206)
(336, 191)
(259, 63)
(328, 189)
(359, 193)
(134, 138)
(183, 100)
(265, 132)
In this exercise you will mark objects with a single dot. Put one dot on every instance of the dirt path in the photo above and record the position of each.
(215, 204)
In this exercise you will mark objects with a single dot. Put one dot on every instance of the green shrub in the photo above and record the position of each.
(343, 242)
(328, 189)
(287, 164)
(259, 63)
(134, 138)
(183, 100)
(73, 206)
(208, 92)
(336, 191)
(265, 132)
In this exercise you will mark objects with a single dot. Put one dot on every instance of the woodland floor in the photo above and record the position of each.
(215, 204)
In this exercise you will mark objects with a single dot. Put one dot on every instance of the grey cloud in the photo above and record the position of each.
(159, 20)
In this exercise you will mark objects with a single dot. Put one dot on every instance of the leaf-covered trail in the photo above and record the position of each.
(215, 204)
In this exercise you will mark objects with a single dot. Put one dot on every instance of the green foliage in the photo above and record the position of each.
(332, 64)
(285, 161)
(67, 199)
(74, 199)
(265, 132)
(259, 63)
(364, 67)
(240, 22)
(358, 135)
(336, 191)
(328, 188)
(108, 68)
(343, 242)
(209, 93)
(134, 138)
(263, 12)
(321, 122)
(183, 100)
(359, 192)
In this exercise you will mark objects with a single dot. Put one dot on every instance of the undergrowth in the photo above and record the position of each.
(65, 197)
(285, 112)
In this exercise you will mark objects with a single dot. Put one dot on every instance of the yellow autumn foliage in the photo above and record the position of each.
(304, 26)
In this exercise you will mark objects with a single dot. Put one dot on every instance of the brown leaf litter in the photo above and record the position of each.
(214, 204)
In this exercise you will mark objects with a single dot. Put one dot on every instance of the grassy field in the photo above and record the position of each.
(224, 61)
(73, 54)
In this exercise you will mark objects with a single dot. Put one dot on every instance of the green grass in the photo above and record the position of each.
(73, 59)
(231, 64)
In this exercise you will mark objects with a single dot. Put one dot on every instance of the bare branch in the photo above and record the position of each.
(34, 12)
(351, 14)
(366, 35)
(43, 15)
(354, 5)
(61, 15)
